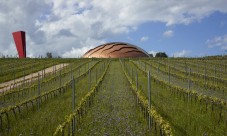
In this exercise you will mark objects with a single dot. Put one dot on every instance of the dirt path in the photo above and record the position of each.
(31, 77)
(114, 111)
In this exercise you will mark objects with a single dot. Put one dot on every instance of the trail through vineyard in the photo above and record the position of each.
(114, 111)
(114, 97)
(29, 78)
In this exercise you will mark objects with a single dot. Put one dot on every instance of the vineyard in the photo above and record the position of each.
(164, 97)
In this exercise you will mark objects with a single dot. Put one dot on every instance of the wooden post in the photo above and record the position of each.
(205, 72)
(60, 80)
(137, 99)
(132, 75)
(14, 79)
(197, 67)
(42, 74)
(165, 65)
(96, 75)
(32, 74)
(185, 63)
(44, 70)
(221, 74)
(73, 105)
(225, 66)
(53, 69)
(85, 67)
(136, 81)
(149, 96)
(24, 79)
(100, 69)
(169, 74)
(63, 67)
(215, 72)
(189, 82)
(89, 79)
(158, 66)
(38, 92)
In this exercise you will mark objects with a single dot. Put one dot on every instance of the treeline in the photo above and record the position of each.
(159, 55)
(47, 55)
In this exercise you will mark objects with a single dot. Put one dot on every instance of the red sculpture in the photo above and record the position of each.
(19, 39)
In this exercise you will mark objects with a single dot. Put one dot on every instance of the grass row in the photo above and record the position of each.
(187, 116)
(52, 112)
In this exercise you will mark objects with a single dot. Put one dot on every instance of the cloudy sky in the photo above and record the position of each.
(68, 28)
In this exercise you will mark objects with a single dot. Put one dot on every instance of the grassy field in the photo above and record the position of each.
(116, 97)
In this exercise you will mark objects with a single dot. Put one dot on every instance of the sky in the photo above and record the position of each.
(69, 28)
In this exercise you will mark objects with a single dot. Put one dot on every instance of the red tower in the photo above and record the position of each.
(19, 39)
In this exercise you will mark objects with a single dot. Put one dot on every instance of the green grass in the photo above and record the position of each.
(187, 118)
(49, 83)
(114, 110)
(52, 112)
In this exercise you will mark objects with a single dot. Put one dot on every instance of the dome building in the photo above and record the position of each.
(116, 50)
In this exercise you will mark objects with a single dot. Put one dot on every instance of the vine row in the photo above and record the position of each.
(165, 126)
(77, 115)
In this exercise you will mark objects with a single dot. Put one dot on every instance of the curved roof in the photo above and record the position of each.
(116, 50)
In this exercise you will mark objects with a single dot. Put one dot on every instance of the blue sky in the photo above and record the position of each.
(70, 28)
(190, 39)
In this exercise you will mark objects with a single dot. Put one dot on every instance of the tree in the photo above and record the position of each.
(49, 55)
(151, 55)
(161, 55)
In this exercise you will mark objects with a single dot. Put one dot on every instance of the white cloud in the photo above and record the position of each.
(144, 38)
(183, 53)
(130, 38)
(152, 52)
(168, 33)
(76, 52)
(219, 41)
(59, 26)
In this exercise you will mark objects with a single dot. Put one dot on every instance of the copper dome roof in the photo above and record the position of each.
(115, 50)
